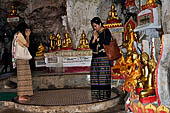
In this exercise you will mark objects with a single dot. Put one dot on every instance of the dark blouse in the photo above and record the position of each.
(97, 47)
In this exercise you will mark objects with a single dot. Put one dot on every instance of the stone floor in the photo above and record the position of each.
(63, 97)
(116, 109)
(119, 108)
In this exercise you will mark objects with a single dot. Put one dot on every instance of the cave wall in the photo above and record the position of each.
(44, 16)
(52, 16)
(79, 14)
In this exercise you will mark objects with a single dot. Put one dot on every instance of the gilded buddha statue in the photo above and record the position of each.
(130, 37)
(149, 88)
(52, 45)
(124, 69)
(134, 72)
(41, 50)
(144, 70)
(58, 41)
(83, 42)
(113, 13)
(13, 11)
(67, 41)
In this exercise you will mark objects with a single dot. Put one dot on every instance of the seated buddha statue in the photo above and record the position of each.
(144, 69)
(41, 50)
(124, 69)
(13, 11)
(134, 72)
(83, 42)
(67, 41)
(113, 13)
(58, 41)
(52, 45)
(149, 88)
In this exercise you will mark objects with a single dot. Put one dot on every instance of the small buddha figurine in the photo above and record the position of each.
(149, 89)
(83, 42)
(13, 11)
(113, 13)
(41, 50)
(67, 41)
(131, 37)
(52, 37)
(58, 41)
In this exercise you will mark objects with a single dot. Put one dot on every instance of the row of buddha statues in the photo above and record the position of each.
(139, 71)
(57, 43)
(137, 68)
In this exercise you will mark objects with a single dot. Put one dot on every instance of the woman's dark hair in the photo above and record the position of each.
(96, 20)
(21, 28)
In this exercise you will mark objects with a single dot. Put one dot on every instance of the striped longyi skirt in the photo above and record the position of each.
(24, 78)
(100, 77)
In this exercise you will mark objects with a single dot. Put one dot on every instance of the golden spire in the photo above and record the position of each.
(83, 35)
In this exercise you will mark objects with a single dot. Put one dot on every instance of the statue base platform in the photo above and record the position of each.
(76, 69)
(54, 50)
(150, 105)
(67, 48)
(64, 101)
(83, 49)
(149, 99)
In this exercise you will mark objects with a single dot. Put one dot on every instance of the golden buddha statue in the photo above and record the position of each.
(13, 11)
(131, 37)
(52, 45)
(148, 2)
(113, 13)
(67, 41)
(41, 50)
(83, 42)
(124, 69)
(134, 72)
(58, 41)
(144, 69)
(149, 89)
